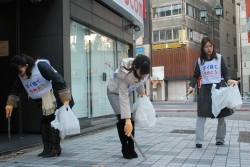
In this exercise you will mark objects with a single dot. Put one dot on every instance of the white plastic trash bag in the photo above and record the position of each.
(66, 122)
(234, 98)
(225, 97)
(219, 99)
(144, 113)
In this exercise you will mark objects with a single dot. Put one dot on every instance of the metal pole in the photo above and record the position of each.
(241, 70)
(150, 44)
(212, 28)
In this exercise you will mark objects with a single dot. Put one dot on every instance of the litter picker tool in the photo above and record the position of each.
(9, 128)
(185, 97)
(132, 137)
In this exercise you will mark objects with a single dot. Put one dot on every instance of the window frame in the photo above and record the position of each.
(229, 61)
(228, 38)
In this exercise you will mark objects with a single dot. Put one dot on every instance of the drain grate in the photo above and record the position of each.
(244, 137)
(183, 131)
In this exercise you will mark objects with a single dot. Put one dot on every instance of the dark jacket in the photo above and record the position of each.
(60, 88)
(204, 99)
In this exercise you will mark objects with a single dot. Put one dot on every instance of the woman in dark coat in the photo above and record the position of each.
(48, 88)
(212, 68)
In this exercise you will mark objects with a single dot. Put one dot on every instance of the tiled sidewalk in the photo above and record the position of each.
(161, 148)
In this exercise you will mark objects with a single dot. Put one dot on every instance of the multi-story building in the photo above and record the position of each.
(177, 30)
(243, 39)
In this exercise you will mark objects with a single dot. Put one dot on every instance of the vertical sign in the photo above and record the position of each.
(248, 18)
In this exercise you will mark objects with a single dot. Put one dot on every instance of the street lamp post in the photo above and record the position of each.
(241, 72)
(218, 12)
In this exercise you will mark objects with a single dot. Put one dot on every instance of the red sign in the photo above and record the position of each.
(144, 9)
(199, 82)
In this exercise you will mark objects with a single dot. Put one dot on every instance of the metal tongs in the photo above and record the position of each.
(185, 97)
(132, 137)
(9, 135)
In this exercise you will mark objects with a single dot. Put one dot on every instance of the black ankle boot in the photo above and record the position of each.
(55, 143)
(46, 140)
(123, 139)
(126, 153)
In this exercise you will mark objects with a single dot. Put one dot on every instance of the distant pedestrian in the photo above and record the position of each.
(44, 84)
(212, 68)
(130, 76)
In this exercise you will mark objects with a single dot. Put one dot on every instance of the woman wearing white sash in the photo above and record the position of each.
(48, 88)
(130, 76)
(212, 68)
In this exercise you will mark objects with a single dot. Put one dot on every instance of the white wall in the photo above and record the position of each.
(244, 46)
(176, 89)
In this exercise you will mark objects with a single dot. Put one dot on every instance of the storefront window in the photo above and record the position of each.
(93, 61)
(122, 51)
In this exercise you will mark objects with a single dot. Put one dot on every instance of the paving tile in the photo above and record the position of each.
(103, 149)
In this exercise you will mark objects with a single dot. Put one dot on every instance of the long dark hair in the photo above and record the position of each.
(203, 54)
(21, 60)
(140, 62)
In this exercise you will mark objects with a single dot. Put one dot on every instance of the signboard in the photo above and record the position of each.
(133, 10)
(167, 46)
(248, 18)
(197, 37)
(4, 48)
(173, 45)
(140, 50)
(159, 46)
(182, 36)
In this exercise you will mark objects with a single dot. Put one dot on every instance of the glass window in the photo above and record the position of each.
(155, 12)
(190, 10)
(168, 10)
(162, 35)
(195, 13)
(176, 33)
(169, 34)
(228, 61)
(156, 36)
(228, 38)
(234, 20)
(92, 58)
(176, 9)
(122, 50)
(162, 12)
(235, 41)
(227, 15)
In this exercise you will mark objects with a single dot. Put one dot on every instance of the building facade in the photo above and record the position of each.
(243, 43)
(177, 30)
(83, 40)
